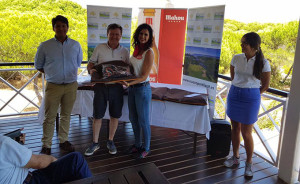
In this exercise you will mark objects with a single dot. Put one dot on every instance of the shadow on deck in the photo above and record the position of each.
(171, 152)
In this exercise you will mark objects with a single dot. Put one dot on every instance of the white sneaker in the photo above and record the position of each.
(248, 170)
(232, 161)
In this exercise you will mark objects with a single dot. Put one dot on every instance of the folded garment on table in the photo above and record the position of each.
(113, 71)
(178, 96)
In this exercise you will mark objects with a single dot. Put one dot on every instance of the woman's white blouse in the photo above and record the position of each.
(138, 64)
(243, 71)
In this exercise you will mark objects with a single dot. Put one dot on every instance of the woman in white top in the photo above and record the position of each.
(250, 73)
(139, 93)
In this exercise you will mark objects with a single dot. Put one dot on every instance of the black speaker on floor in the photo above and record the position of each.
(218, 145)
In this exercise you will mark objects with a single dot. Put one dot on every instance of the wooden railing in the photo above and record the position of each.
(15, 99)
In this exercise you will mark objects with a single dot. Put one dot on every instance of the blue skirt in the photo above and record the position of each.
(243, 104)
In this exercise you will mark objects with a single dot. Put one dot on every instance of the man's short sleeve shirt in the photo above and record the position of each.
(13, 158)
(103, 53)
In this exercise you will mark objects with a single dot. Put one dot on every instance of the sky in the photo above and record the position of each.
(274, 11)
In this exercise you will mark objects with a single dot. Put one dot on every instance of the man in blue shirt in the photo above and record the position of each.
(59, 58)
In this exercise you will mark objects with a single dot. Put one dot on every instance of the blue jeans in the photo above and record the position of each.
(68, 168)
(139, 99)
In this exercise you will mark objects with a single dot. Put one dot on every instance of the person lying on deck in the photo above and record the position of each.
(16, 160)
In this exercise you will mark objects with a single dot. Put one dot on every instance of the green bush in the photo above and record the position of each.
(24, 24)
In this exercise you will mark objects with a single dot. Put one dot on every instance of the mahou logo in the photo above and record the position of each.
(174, 18)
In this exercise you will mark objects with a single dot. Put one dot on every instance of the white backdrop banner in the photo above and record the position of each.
(99, 17)
(203, 49)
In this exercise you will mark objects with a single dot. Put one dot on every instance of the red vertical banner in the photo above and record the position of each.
(171, 45)
(169, 26)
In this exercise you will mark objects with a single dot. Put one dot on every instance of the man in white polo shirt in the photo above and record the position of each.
(111, 92)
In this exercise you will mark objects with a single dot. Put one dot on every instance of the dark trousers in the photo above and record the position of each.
(68, 168)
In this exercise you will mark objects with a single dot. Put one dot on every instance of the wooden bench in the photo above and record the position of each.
(142, 174)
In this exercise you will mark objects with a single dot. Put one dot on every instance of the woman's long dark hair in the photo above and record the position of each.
(136, 36)
(254, 40)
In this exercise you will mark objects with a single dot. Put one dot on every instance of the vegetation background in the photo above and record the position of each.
(24, 24)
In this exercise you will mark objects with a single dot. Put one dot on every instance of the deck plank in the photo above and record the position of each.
(171, 152)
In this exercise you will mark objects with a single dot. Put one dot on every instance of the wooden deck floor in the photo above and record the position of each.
(171, 153)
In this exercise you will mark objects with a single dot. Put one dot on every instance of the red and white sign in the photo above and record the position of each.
(169, 26)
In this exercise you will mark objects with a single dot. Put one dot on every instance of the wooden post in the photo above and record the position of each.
(289, 158)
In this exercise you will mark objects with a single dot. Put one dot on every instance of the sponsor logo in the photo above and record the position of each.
(174, 18)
